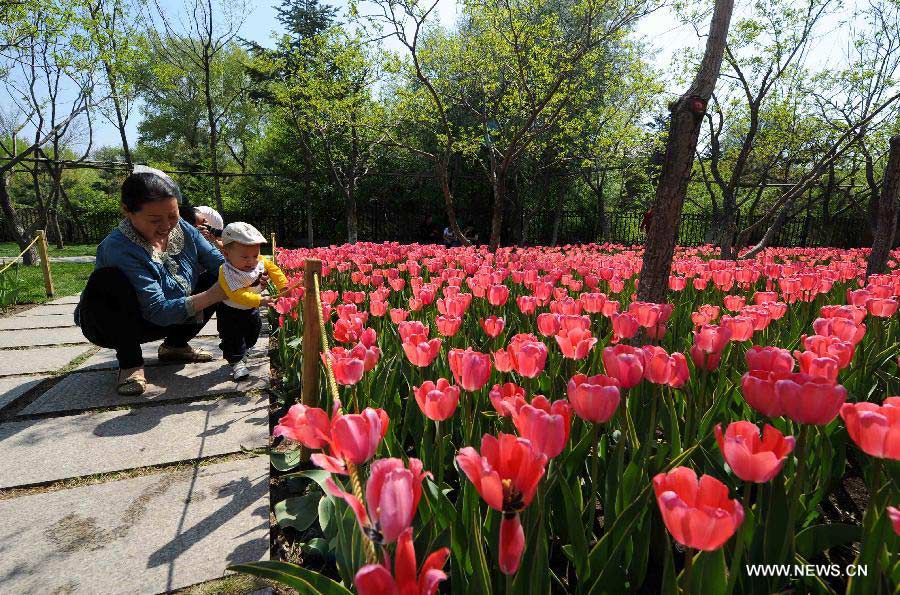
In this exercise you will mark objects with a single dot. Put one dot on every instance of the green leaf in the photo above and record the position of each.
(575, 529)
(709, 575)
(285, 461)
(818, 538)
(291, 575)
(298, 513)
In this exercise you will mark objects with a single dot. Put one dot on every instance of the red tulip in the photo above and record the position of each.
(660, 368)
(527, 304)
(506, 475)
(350, 438)
(750, 458)
(437, 401)
(503, 361)
(894, 515)
(734, 302)
(398, 315)
(624, 326)
(527, 354)
(625, 364)
(448, 326)
(471, 369)
(842, 328)
(593, 302)
(420, 350)
(818, 366)
(548, 324)
(348, 366)
(575, 343)
(376, 579)
(882, 307)
(876, 430)
(758, 389)
(308, 425)
(507, 399)
(594, 398)
(497, 295)
(769, 359)
(392, 497)
(741, 327)
(407, 329)
(698, 514)
(546, 426)
(809, 400)
(492, 325)
(822, 346)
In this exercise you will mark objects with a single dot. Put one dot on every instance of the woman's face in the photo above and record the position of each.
(155, 219)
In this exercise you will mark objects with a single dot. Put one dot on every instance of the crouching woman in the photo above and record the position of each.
(154, 278)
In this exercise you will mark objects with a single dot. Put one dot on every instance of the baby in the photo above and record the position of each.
(239, 324)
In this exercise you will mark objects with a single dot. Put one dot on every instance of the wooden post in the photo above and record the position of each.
(273, 246)
(45, 262)
(309, 394)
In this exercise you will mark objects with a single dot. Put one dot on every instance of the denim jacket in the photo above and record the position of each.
(162, 281)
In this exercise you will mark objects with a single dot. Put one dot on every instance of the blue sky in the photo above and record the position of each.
(261, 22)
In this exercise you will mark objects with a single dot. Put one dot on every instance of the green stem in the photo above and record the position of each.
(794, 497)
(739, 546)
(688, 567)
(440, 453)
(595, 460)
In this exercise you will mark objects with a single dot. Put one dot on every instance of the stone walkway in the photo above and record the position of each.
(107, 494)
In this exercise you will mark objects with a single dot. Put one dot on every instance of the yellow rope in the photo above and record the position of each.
(356, 484)
(14, 260)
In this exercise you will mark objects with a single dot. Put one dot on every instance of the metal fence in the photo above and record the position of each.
(403, 225)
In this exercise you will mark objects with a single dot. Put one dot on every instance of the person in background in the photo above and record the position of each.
(241, 278)
(429, 232)
(210, 223)
(645, 222)
(154, 278)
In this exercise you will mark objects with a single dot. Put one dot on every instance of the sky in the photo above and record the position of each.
(665, 34)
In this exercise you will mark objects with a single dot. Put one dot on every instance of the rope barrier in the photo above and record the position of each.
(16, 259)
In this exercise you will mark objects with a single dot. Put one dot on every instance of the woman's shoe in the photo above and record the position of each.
(186, 354)
(131, 382)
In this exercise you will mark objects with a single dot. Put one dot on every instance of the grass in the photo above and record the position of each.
(9, 249)
(69, 278)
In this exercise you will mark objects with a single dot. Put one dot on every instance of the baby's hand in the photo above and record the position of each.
(265, 301)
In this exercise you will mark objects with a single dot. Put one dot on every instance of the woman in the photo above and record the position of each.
(154, 279)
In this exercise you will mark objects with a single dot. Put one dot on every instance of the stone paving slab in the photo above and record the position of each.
(95, 389)
(41, 359)
(48, 309)
(147, 534)
(14, 323)
(41, 336)
(105, 359)
(69, 299)
(12, 387)
(36, 451)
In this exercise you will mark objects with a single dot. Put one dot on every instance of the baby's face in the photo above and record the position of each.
(242, 256)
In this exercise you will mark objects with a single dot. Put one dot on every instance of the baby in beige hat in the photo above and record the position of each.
(238, 322)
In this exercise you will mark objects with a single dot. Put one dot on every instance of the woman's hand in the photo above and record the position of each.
(211, 296)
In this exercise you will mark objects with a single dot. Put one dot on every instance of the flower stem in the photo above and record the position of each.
(371, 555)
(595, 488)
(688, 567)
(739, 546)
(794, 497)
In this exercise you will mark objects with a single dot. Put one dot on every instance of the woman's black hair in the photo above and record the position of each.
(141, 188)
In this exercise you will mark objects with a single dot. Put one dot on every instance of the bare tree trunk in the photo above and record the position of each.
(442, 167)
(120, 119)
(886, 209)
(772, 231)
(497, 184)
(350, 208)
(684, 129)
(557, 220)
(213, 131)
(13, 225)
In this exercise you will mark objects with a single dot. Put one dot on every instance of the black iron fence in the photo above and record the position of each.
(291, 227)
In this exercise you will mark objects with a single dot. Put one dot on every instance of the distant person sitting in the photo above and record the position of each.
(450, 239)
(429, 232)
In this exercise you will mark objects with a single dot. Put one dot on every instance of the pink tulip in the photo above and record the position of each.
(575, 343)
(376, 579)
(625, 364)
(471, 369)
(750, 458)
(437, 401)
(594, 398)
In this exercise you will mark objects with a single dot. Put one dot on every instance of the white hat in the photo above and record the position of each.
(242, 233)
(212, 216)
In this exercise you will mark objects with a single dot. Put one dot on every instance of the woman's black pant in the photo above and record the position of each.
(110, 316)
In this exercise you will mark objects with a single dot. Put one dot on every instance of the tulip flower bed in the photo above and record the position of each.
(514, 421)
